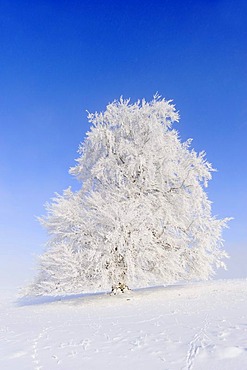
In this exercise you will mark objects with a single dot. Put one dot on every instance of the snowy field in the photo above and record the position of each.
(199, 326)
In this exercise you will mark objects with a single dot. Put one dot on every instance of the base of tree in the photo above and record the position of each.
(119, 289)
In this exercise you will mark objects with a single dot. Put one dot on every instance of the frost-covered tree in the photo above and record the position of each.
(141, 216)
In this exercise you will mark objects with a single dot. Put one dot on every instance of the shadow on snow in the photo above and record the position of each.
(39, 300)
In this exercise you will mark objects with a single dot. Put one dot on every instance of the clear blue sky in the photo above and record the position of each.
(61, 58)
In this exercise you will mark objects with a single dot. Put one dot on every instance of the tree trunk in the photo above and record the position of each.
(119, 288)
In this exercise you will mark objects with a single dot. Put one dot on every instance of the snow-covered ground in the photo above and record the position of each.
(199, 326)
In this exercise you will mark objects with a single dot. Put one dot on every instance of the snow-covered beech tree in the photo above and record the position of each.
(141, 216)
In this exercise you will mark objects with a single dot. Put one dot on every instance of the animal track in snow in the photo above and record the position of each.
(196, 344)
(35, 348)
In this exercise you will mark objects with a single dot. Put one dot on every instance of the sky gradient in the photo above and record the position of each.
(61, 58)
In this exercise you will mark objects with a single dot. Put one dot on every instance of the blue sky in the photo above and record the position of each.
(61, 58)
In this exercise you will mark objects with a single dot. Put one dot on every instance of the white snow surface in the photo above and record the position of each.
(197, 326)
